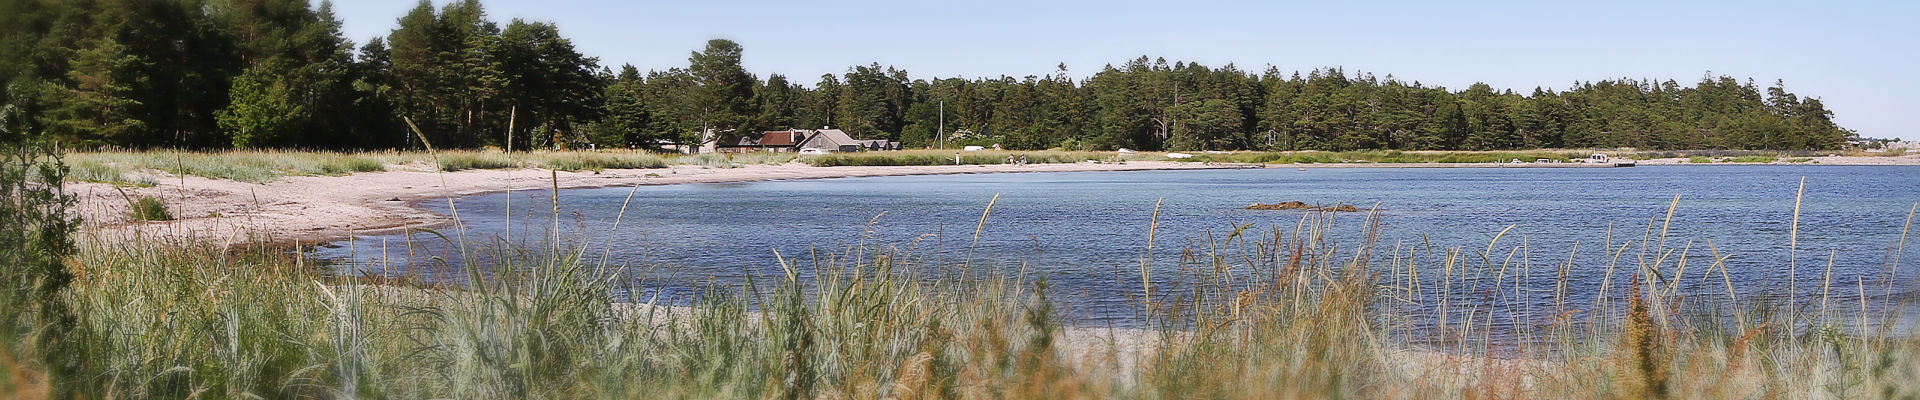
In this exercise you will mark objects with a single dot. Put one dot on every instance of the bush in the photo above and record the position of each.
(35, 239)
(148, 208)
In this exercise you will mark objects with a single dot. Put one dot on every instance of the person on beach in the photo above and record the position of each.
(1023, 160)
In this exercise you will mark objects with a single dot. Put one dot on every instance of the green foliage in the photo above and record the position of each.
(148, 208)
(280, 73)
(724, 95)
(36, 226)
(1699, 160)
(262, 112)
(1752, 159)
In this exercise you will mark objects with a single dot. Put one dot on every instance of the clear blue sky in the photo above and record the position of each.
(1860, 57)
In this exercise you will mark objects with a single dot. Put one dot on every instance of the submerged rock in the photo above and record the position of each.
(1295, 205)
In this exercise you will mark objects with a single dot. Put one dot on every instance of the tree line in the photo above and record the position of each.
(279, 73)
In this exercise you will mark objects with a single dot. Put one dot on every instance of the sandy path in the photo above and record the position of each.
(312, 209)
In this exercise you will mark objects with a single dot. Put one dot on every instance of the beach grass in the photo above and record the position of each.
(1752, 159)
(255, 166)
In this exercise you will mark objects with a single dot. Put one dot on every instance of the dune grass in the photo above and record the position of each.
(256, 166)
(1752, 159)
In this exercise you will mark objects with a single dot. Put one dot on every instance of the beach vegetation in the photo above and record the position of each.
(148, 208)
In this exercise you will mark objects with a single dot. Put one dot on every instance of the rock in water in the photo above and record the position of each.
(1295, 205)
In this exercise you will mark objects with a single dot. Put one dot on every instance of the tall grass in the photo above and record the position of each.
(1276, 312)
(256, 166)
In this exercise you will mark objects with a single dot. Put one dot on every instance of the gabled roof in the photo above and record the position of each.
(779, 138)
(830, 138)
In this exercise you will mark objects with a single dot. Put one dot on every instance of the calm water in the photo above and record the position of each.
(1087, 231)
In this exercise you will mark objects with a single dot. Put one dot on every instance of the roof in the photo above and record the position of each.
(778, 138)
(830, 138)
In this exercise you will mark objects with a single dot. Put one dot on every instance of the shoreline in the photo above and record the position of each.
(310, 210)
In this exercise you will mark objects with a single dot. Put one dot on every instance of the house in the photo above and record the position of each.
(879, 145)
(772, 141)
(830, 140)
(808, 140)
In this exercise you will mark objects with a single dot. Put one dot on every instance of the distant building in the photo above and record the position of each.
(831, 141)
(808, 140)
(879, 145)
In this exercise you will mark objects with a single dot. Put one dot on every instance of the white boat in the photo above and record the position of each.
(1179, 155)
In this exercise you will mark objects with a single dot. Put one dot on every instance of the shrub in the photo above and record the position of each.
(35, 239)
(148, 208)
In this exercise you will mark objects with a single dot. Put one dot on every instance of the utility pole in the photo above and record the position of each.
(943, 124)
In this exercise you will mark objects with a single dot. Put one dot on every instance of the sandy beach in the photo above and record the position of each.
(313, 209)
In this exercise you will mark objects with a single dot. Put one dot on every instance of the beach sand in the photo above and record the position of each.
(305, 210)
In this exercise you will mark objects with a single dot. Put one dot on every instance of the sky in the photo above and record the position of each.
(1859, 57)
